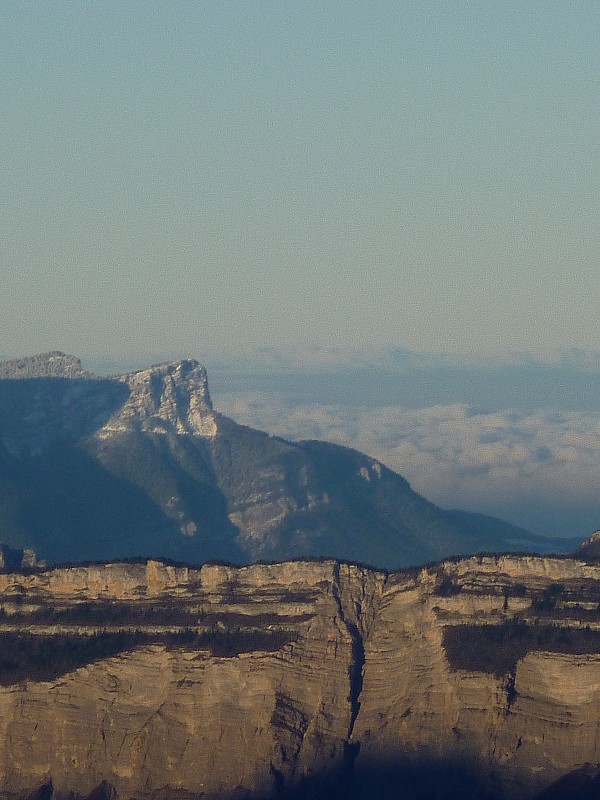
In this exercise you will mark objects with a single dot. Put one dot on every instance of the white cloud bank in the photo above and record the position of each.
(497, 462)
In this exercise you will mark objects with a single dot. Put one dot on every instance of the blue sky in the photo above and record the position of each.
(189, 176)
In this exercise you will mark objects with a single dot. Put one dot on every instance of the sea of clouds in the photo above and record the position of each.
(515, 435)
(540, 470)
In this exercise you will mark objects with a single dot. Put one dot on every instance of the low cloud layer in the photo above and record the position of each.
(541, 470)
(516, 435)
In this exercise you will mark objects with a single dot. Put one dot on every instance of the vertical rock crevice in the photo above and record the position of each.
(355, 671)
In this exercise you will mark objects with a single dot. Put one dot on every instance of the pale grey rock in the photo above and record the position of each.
(46, 405)
(46, 365)
(590, 548)
(166, 397)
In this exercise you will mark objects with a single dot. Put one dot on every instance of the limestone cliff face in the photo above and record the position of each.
(167, 397)
(307, 672)
(52, 398)
(153, 719)
(590, 548)
(518, 730)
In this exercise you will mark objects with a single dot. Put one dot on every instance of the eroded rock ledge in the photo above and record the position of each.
(152, 680)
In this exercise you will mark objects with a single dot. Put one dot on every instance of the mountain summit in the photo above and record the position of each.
(45, 365)
(141, 465)
(166, 398)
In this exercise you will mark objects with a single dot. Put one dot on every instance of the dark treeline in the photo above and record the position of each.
(103, 614)
(497, 648)
(27, 656)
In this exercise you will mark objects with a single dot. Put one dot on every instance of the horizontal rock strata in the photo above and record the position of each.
(218, 682)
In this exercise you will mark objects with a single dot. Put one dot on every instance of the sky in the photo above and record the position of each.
(187, 177)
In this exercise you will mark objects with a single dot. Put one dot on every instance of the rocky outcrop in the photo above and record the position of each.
(167, 397)
(45, 365)
(590, 548)
(156, 719)
(516, 729)
(221, 682)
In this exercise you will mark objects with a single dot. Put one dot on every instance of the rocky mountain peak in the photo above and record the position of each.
(590, 548)
(593, 538)
(45, 365)
(50, 397)
(170, 396)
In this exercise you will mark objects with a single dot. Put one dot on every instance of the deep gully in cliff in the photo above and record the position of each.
(355, 671)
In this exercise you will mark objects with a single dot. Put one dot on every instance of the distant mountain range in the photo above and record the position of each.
(95, 468)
